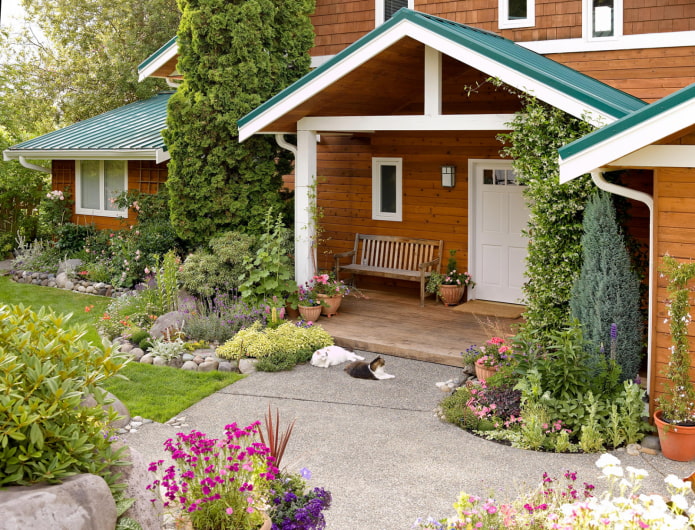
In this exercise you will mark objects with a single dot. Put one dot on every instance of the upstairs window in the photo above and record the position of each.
(603, 19)
(385, 9)
(517, 13)
(98, 183)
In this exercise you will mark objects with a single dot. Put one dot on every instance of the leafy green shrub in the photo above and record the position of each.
(45, 373)
(218, 270)
(138, 336)
(270, 273)
(70, 237)
(37, 255)
(283, 347)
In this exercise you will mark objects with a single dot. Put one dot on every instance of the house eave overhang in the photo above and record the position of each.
(448, 38)
(150, 67)
(158, 155)
(629, 141)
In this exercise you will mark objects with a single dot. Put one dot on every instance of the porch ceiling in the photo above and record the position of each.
(383, 74)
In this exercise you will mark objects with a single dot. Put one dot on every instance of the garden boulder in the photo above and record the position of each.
(81, 502)
(172, 321)
(137, 477)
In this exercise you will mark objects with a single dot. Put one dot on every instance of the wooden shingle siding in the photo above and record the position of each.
(429, 210)
(674, 209)
(648, 74)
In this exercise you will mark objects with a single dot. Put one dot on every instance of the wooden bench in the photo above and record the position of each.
(401, 258)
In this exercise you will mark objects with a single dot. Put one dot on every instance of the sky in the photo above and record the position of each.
(9, 9)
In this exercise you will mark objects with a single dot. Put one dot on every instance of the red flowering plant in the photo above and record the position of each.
(325, 284)
(218, 483)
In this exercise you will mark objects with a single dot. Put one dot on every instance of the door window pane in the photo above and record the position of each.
(114, 171)
(388, 189)
(89, 181)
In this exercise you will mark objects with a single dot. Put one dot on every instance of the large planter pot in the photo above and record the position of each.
(331, 304)
(310, 313)
(483, 372)
(451, 294)
(677, 442)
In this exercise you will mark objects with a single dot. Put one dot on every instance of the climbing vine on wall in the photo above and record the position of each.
(555, 224)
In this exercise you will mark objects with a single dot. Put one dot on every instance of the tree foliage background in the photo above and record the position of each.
(234, 55)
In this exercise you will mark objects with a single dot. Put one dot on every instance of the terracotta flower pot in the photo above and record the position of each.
(332, 304)
(677, 442)
(451, 294)
(310, 313)
(483, 372)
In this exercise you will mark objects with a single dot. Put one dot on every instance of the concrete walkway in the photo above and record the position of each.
(378, 446)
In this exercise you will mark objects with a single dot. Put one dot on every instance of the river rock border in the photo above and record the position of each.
(202, 360)
(63, 281)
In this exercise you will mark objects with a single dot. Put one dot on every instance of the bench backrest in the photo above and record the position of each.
(393, 252)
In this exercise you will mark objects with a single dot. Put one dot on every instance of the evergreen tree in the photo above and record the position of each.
(607, 290)
(234, 55)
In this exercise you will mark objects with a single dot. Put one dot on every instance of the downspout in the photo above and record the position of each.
(280, 139)
(602, 183)
(29, 165)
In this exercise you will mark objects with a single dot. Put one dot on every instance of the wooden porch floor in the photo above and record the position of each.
(393, 323)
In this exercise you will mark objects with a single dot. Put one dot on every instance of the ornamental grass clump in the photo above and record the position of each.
(566, 505)
(218, 483)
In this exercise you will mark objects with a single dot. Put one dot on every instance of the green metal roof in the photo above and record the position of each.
(156, 54)
(559, 77)
(137, 126)
(628, 122)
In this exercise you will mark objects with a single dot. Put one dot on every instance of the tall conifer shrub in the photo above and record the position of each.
(234, 55)
(608, 290)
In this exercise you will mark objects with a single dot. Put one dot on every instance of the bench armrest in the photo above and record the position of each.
(343, 254)
(423, 266)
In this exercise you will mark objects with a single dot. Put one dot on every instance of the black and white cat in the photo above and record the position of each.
(365, 370)
(333, 355)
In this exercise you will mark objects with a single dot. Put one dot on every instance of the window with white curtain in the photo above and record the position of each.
(98, 183)
(602, 19)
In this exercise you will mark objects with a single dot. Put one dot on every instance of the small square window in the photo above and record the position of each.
(602, 19)
(517, 13)
(387, 189)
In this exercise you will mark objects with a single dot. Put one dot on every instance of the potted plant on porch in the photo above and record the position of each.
(308, 304)
(675, 414)
(451, 287)
(330, 292)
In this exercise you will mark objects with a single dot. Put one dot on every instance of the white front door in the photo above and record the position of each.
(498, 214)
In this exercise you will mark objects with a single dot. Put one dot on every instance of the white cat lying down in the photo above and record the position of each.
(333, 355)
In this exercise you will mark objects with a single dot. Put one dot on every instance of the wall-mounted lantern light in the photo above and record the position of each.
(448, 176)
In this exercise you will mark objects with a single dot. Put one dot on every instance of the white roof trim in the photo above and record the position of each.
(448, 122)
(659, 156)
(618, 146)
(159, 61)
(403, 29)
(158, 155)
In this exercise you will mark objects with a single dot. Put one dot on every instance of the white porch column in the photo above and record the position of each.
(433, 82)
(304, 228)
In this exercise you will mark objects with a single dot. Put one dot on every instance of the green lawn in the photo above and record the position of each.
(153, 392)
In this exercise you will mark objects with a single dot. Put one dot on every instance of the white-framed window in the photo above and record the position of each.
(387, 189)
(602, 19)
(517, 13)
(385, 9)
(97, 183)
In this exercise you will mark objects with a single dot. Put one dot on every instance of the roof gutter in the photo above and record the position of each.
(35, 167)
(159, 155)
(602, 183)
